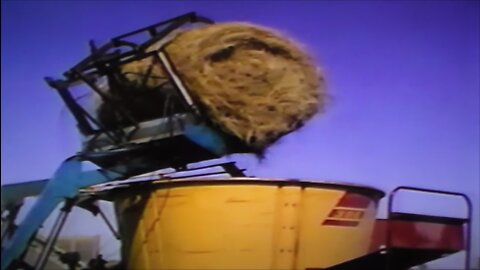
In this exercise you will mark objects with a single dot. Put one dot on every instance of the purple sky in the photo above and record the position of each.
(403, 76)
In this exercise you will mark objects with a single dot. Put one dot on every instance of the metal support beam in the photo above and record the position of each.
(54, 233)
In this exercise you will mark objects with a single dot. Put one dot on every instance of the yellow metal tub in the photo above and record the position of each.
(244, 223)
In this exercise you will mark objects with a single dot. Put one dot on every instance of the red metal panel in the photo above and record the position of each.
(417, 234)
(354, 200)
(346, 223)
(379, 236)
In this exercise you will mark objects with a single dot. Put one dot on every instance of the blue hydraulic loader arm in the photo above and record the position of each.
(70, 178)
(66, 183)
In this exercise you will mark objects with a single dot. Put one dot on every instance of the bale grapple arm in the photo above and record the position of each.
(123, 150)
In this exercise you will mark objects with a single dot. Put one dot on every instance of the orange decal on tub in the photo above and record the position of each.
(349, 211)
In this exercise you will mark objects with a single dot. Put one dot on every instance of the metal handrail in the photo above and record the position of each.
(425, 190)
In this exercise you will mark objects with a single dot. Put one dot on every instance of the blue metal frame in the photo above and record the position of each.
(66, 183)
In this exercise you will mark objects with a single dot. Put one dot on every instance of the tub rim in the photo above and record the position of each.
(369, 191)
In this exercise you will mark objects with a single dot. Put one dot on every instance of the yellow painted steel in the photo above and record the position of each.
(323, 246)
(244, 226)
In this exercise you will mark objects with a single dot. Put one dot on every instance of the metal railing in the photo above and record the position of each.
(467, 224)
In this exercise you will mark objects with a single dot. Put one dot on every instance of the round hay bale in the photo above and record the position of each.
(250, 81)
